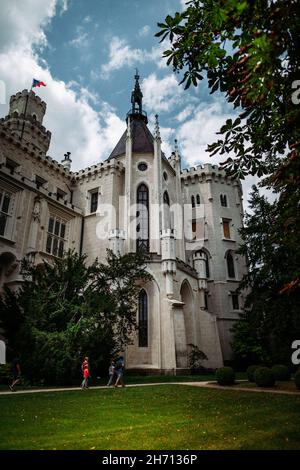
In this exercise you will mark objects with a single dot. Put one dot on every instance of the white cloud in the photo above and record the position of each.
(161, 94)
(183, 4)
(81, 40)
(64, 4)
(22, 23)
(200, 130)
(121, 54)
(185, 113)
(144, 31)
(75, 125)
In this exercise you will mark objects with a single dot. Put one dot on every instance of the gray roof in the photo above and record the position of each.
(142, 140)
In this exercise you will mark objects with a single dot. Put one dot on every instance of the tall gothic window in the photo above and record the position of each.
(198, 199)
(166, 208)
(193, 201)
(230, 266)
(142, 227)
(5, 201)
(143, 319)
(56, 238)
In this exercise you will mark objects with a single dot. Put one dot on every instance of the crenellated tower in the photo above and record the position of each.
(25, 120)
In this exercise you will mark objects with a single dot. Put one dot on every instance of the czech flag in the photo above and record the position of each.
(37, 83)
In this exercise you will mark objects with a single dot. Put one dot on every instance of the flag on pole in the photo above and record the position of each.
(37, 83)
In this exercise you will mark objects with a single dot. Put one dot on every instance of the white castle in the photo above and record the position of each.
(187, 220)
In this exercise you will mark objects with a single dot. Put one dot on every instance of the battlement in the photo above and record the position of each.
(207, 172)
(22, 95)
(112, 163)
(16, 122)
(199, 255)
(167, 233)
(31, 149)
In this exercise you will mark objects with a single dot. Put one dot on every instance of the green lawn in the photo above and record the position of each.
(159, 417)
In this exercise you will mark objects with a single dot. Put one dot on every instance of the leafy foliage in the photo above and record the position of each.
(67, 310)
(196, 356)
(225, 376)
(297, 379)
(271, 320)
(264, 377)
(248, 50)
(250, 372)
(281, 372)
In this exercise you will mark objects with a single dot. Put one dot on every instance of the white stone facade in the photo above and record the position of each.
(46, 208)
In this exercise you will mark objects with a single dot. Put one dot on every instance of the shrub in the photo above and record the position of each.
(297, 379)
(225, 376)
(281, 372)
(264, 377)
(250, 372)
(5, 373)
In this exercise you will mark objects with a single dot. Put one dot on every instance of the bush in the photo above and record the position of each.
(281, 372)
(297, 379)
(264, 377)
(225, 376)
(250, 372)
(5, 374)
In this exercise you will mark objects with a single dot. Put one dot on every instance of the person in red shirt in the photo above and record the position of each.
(85, 369)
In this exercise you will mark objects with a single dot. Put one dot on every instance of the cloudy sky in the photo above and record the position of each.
(86, 51)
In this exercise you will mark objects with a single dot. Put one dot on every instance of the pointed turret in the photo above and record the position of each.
(136, 119)
(136, 111)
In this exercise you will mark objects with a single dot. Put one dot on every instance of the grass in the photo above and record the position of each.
(288, 385)
(161, 417)
(134, 379)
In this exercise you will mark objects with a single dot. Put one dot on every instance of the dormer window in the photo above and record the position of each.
(40, 182)
(11, 165)
(60, 194)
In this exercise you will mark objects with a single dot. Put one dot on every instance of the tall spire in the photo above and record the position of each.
(136, 111)
(156, 128)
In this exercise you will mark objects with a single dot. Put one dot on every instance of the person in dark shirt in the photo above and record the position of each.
(120, 369)
(16, 370)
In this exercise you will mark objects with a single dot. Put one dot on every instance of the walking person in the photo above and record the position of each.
(16, 370)
(85, 368)
(111, 372)
(120, 369)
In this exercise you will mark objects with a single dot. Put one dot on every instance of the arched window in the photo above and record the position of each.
(142, 227)
(223, 200)
(166, 198)
(198, 199)
(166, 211)
(193, 201)
(230, 265)
(143, 319)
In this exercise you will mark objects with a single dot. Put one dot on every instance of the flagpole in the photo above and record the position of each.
(25, 110)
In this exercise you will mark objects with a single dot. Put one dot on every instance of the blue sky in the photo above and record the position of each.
(87, 51)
